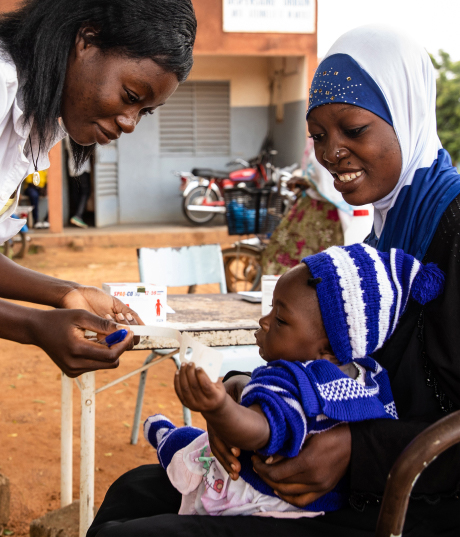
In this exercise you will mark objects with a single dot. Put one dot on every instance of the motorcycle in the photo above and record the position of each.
(203, 188)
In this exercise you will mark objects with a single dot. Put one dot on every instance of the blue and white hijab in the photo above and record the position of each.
(389, 74)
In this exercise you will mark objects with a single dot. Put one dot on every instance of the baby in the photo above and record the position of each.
(329, 315)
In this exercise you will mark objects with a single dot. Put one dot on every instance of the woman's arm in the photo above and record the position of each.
(245, 428)
(376, 447)
(61, 334)
(19, 283)
(367, 451)
(317, 469)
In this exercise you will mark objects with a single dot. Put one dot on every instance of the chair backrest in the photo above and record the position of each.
(189, 265)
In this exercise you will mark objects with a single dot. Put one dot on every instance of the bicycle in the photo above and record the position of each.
(258, 212)
(243, 271)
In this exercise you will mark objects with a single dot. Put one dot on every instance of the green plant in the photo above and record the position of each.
(448, 103)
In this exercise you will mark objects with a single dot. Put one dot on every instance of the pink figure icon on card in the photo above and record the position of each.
(158, 307)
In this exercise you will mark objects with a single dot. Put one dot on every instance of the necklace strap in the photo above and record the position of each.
(34, 162)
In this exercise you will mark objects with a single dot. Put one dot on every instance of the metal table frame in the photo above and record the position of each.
(223, 335)
(87, 385)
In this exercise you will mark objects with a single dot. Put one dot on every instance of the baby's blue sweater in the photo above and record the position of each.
(297, 399)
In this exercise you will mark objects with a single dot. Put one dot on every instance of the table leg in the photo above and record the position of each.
(187, 416)
(87, 448)
(66, 440)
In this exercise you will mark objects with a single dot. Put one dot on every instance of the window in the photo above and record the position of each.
(196, 120)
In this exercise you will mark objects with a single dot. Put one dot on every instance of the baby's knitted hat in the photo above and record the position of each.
(362, 294)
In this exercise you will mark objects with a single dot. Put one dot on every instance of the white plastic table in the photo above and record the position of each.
(215, 320)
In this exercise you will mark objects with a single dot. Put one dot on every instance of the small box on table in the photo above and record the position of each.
(268, 286)
(146, 299)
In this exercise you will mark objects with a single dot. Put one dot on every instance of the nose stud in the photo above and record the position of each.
(337, 155)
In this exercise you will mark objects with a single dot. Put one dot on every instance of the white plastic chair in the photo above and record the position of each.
(176, 267)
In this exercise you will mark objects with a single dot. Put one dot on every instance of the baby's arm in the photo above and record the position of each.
(245, 428)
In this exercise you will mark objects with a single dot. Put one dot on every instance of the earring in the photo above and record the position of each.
(338, 154)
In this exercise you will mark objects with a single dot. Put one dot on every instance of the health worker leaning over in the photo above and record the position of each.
(372, 119)
(98, 66)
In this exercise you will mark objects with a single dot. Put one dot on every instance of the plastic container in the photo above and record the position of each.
(250, 211)
(268, 287)
(360, 225)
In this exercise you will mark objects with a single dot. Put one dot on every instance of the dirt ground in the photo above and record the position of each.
(30, 399)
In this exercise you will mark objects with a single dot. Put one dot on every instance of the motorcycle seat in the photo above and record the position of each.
(208, 173)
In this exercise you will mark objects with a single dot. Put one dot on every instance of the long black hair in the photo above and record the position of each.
(41, 33)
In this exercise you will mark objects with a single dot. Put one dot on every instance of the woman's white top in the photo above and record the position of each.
(15, 166)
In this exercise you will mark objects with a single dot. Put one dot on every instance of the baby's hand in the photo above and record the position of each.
(196, 391)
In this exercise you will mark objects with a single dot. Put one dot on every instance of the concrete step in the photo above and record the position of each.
(153, 236)
(63, 522)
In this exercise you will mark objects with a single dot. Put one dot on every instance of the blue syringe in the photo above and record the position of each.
(114, 338)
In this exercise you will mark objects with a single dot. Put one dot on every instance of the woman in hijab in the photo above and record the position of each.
(372, 118)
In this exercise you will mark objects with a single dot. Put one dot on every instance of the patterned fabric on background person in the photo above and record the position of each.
(310, 227)
(315, 222)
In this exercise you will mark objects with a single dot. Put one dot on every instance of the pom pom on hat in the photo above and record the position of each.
(428, 284)
(362, 294)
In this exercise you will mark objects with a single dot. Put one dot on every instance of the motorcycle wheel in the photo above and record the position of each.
(243, 271)
(195, 197)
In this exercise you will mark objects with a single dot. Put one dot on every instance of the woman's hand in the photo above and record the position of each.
(61, 334)
(317, 469)
(102, 304)
(196, 391)
(96, 301)
(226, 455)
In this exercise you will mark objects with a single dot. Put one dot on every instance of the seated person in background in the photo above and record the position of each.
(329, 315)
(316, 221)
(33, 192)
(79, 187)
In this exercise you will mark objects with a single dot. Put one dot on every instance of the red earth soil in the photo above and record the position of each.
(30, 399)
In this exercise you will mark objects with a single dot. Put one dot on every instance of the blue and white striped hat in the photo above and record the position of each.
(362, 294)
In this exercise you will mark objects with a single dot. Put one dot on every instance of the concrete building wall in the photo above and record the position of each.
(289, 76)
(289, 136)
(259, 86)
(248, 77)
(250, 95)
(148, 192)
(148, 189)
